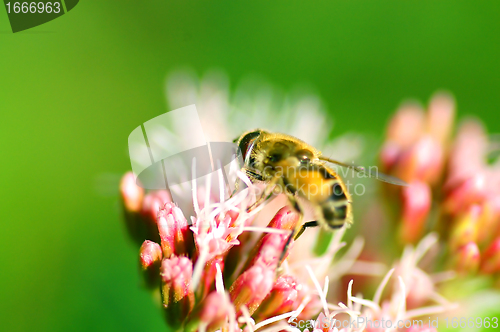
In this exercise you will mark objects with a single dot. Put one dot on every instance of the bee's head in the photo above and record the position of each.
(246, 143)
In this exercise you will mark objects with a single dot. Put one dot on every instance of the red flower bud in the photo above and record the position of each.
(416, 206)
(173, 229)
(252, 287)
(150, 261)
(177, 293)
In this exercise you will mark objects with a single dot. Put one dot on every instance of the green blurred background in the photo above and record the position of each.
(73, 89)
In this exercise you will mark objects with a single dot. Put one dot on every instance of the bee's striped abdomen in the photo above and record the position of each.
(336, 208)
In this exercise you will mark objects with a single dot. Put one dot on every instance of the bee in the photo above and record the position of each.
(290, 166)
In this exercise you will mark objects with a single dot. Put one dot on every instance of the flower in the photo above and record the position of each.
(211, 313)
(281, 298)
(415, 151)
(416, 141)
(176, 289)
(417, 202)
(173, 230)
(150, 256)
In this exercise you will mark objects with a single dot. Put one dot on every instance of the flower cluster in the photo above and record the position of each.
(453, 188)
(190, 267)
(220, 264)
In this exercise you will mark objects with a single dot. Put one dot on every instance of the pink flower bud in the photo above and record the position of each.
(177, 293)
(153, 202)
(440, 117)
(422, 161)
(150, 257)
(406, 125)
(142, 225)
(465, 194)
(132, 194)
(416, 206)
(133, 198)
(212, 312)
(283, 298)
(488, 226)
(207, 283)
(391, 151)
(468, 153)
(269, 248)
(467, 258)
(285, 218)
(252, 287)
(150, 254)
(173, 229)
(490, 262)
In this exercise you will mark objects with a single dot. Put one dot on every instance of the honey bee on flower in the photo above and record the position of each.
(234, 262)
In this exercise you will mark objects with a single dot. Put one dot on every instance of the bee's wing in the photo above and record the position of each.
(372, 174)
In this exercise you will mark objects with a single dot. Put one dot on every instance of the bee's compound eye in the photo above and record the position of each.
(246, 143)
(304, 155)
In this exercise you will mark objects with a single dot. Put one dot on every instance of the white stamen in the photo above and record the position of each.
(301, 307)
(366, 303)
(424, 245)
(406, 257)
(352, 313)
(244, 178)
(342, 308)
(325, 286)
(426, 311)
(355, 249)
(357, 306)
(402, 304)
(219, 283)
(349, 294)
(199, 265)
(320, 291)
(274, 319)
(335, 307)
(247, 319)
(232, 317)
(380, 288)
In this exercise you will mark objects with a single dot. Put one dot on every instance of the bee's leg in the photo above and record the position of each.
(268, 192)
(298, 229)
(308, 224)
(264, 197)
(236, 187)
(253, 176)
